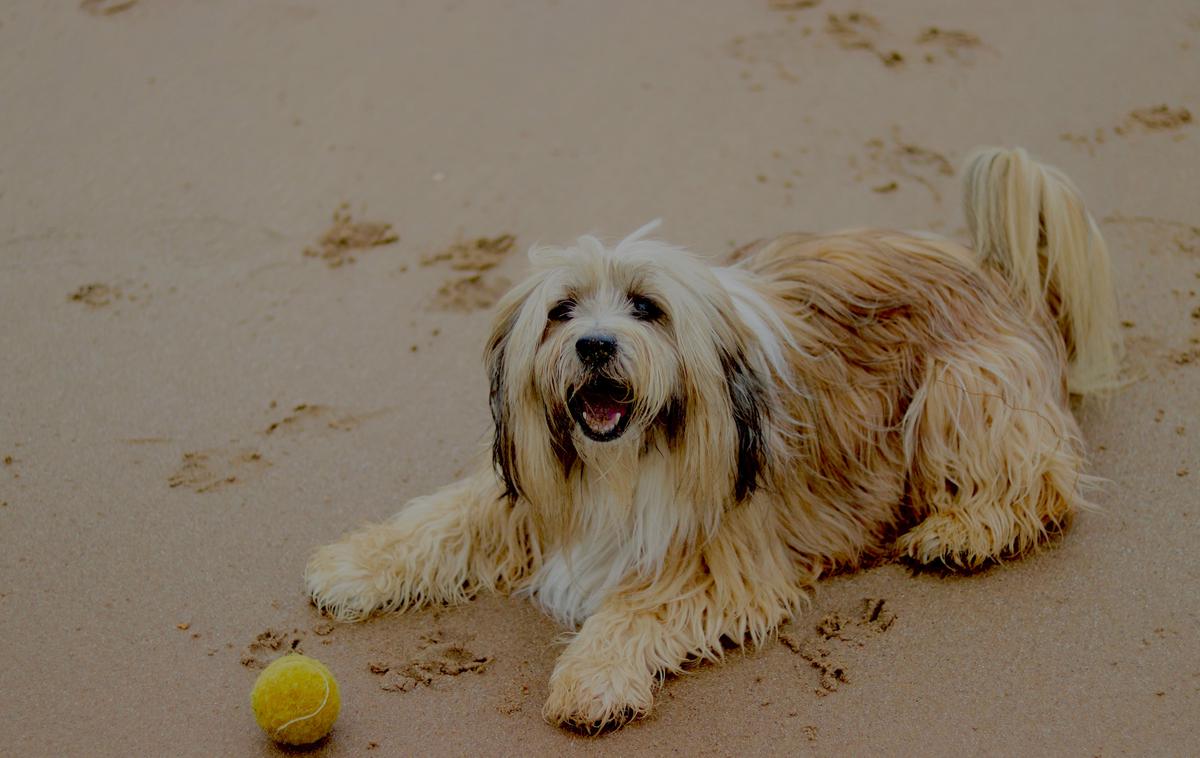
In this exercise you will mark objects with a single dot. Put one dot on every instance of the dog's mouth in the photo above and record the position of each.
(601, 408)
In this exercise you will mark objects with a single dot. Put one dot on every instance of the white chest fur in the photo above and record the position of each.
(625, 531)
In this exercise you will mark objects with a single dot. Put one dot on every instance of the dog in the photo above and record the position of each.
(681, 450)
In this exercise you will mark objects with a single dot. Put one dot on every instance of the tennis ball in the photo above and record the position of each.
(295, 700)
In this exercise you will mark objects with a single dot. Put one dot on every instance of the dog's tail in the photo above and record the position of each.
(1028, 221)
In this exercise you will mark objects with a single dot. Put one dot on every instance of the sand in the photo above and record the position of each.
(189, 404)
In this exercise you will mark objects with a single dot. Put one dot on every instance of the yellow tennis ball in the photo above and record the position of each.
(295, 700)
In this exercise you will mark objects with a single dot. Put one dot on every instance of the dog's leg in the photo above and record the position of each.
(441, 548)
(739, 587)
(606, 676)
(995, 457)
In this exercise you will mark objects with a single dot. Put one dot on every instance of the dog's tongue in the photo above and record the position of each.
(602, 414)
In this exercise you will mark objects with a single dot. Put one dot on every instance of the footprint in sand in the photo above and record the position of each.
(787, 51)
(210, 470)
(213, 469)
(890, 165)
(474, 292)
(1155, 119)
(1158, 118)
(478, 255)
(272, 643)
(436, 658)
(862, 31)
(479, 288)
(98, 295)
(346, 238)
(837, 638)
(313, 416)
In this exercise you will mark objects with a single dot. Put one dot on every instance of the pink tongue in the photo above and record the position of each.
(602, 413)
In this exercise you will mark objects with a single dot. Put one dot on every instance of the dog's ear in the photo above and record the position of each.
(504, 448)
(748, 402)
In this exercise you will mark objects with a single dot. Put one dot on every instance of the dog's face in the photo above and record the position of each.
(613, 352)
(609, 356)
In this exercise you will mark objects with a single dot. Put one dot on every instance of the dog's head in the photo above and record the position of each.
(623, 351)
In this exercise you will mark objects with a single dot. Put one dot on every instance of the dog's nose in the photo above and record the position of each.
(596, 349)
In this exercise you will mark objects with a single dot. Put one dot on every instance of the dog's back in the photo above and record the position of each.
(1027, 223)
(936, 375)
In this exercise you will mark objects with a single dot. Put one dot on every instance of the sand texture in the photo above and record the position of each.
(248, 252)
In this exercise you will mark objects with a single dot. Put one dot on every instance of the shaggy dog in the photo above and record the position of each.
(681, 450)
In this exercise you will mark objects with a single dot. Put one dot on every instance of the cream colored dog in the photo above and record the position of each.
(682, 450)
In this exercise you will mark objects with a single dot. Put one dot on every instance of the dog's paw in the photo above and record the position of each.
(350, 583)
(941, 538)
(593, 697)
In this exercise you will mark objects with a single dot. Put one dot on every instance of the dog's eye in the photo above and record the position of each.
(645, 309)
(562, 311)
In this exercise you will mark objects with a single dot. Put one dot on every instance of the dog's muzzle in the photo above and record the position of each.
(601, 408)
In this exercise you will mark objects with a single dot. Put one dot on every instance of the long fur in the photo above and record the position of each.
(1028, 221)
(821, 401)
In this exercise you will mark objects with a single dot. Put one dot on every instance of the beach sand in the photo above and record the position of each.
(206, 374)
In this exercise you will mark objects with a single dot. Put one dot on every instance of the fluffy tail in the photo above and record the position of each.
(1028, 221)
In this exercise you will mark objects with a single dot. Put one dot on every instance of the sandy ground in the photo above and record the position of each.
(189, 403)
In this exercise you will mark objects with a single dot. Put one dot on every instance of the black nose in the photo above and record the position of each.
(596, 349)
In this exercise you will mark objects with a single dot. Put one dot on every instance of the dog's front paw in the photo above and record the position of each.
(349, 580)
(596, 696)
